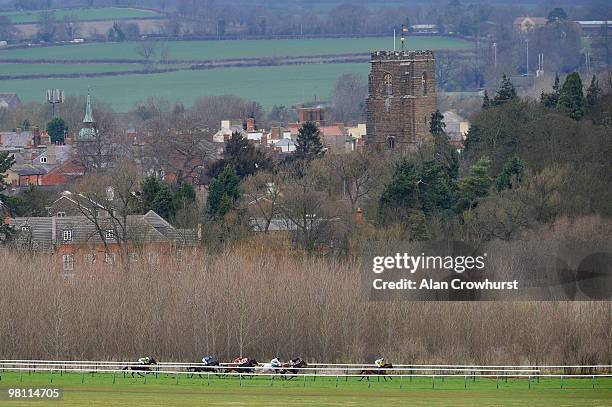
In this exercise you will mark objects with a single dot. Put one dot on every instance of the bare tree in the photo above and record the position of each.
(107, 200)
(261, 195)
(173, 144)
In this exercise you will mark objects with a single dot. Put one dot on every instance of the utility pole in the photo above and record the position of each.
(527, 67)
(495, 55)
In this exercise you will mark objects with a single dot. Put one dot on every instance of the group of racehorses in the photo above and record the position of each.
(250, 366)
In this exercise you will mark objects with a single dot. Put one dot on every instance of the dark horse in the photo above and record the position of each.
(141, 370)
(292, 367)
(377, 371)
(242, 365)
(208, 368)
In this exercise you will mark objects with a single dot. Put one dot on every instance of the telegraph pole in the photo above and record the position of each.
(527, 67)
(495, 55)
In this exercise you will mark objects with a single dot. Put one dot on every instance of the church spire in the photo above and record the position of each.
(88, 111)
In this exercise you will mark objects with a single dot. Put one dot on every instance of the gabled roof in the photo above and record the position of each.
(146, 228)
(14, 139)
(28, 169)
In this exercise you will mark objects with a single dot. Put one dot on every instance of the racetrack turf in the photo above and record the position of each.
(99, 390)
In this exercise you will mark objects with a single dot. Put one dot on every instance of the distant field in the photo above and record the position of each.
(100, 390)
(268, 85)
(84, 14)
(31, 69)
(199, 50)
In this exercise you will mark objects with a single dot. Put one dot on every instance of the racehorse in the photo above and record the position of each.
(378, 371)
(199, 369)
(243, 365)
(292, 367)
(139, 369)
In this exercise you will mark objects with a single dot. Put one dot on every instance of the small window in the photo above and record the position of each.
(43, 160)
(388, 82)
(110, 234)
(91, 258)
(133, 257)
(61, 214)
(391, 142)
(68, 261)
(424, 82)
(27, 182)
(67, 235)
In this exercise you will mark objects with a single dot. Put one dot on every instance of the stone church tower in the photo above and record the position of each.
(401, 99)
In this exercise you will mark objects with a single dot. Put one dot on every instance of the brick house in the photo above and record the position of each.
(77, 241)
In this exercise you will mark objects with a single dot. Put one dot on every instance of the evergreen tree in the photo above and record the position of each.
(185, 195)
(223, 193)
(437, 124)
(551, 99)
(505, 93)
(444, 153)
(150, 187)
(436, 189)
(243, 155)
(593, 92)
(309, 144)
(162, 203)
(571, 97)
(486, 102)
(513, 170)
(475, 185)
(57, 130)
(6, 162)
(557, 14)
(401, 191)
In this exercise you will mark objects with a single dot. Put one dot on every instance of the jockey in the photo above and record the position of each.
(144, 361)
(207, 360)
(380, 362)
(240, 360)
(275, 362)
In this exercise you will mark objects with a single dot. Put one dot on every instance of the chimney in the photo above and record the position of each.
(36, 139)
(51, 154)
(358, 216)
(250, 124)
(0, 139)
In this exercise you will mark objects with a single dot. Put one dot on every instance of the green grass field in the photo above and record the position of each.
(83, 14)
(99, 390)
(33, 69)
(203, 50)
(267, 85)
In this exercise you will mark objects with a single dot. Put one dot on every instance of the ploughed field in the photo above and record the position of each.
(102, 389)
(262, 76)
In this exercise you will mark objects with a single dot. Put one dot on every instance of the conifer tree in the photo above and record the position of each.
(593, 92)
(551, 99)
(505, 93)
(486, 102)
(571, 97)
(223, 193)
(309, 144)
